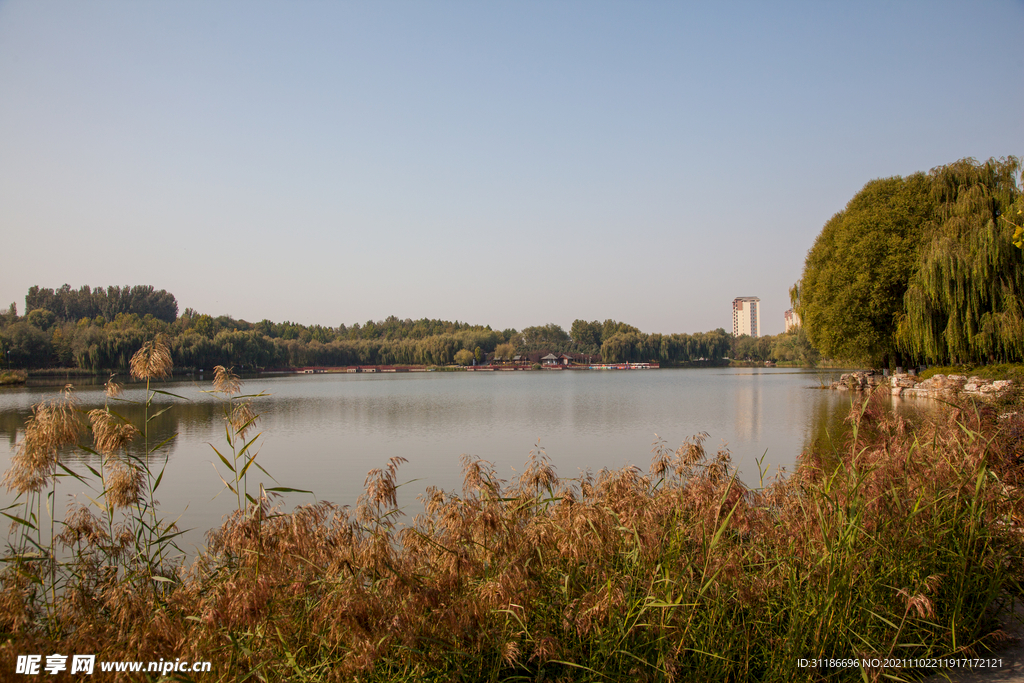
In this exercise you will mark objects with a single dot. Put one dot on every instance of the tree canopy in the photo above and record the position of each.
(963, 302)
(71, 305)
(918, 269)
(856, 274)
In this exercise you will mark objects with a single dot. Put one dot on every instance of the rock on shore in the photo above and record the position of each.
(938, 386)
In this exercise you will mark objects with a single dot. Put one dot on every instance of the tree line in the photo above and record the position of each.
(71, 305)
(921, 269)
(41, 339)
(95, 342)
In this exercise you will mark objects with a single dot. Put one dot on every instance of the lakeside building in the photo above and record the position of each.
(746, 316)
(792, 320)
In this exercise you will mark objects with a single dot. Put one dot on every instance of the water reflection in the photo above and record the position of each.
(184, 418)
(830, 432)
(748, 411)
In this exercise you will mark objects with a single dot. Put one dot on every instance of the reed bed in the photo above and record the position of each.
(13, 377)
(906, 543)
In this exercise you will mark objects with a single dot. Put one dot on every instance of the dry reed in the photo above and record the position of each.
(903, 544)
(53, 425)
(152, 361)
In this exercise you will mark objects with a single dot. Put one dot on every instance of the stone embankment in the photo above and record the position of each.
(939, 386)
(862, 380)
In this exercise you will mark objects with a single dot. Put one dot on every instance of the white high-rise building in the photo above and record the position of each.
(746, 316)
(792, 320)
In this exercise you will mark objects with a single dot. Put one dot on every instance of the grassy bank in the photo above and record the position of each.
(8, 377)
(904, 543)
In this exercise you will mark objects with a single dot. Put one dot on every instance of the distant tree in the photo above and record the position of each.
(478, 336)
(544, 334)
(464, 357)
(321, 334)
(70, 305)
(504, 352)
(266, 328)
(60, 342)
(586, 333)
(38, 298)
(86, 347)
(41, 318)
(29, 346)
(9, 317)
(610, 328)
(203, 325)
(745, 347)
(621, 347)
(793, 347)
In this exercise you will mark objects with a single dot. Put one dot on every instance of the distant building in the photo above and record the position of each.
(746, 316)
(792, 320)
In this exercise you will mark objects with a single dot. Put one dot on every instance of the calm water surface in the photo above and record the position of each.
(324, 432)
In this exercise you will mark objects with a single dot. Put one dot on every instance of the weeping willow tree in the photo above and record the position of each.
(963, 302)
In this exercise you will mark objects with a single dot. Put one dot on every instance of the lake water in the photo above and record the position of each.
(325, 432)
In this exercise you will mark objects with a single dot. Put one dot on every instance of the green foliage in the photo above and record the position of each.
(586, 334)
(635, 346)
(41, 318)
(794, 348)
(622, 348)
(504, 352)
(963, 303)
(28, 346)
(203, 325)
(788, 348)
(543, 334)
(921, 269)
(747, 348)
(10, 316)
(71, 305)
(856, 274)
(199, 341)
(464, 357)
(610, 328)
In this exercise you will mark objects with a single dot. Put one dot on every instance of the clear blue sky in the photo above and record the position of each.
(502, 163)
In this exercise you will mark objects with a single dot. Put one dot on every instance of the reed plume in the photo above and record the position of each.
(152, 361)
(126, 482)
(110, 434)
(226, 381)
(53, 425)
(242, 418)
(112, 389)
